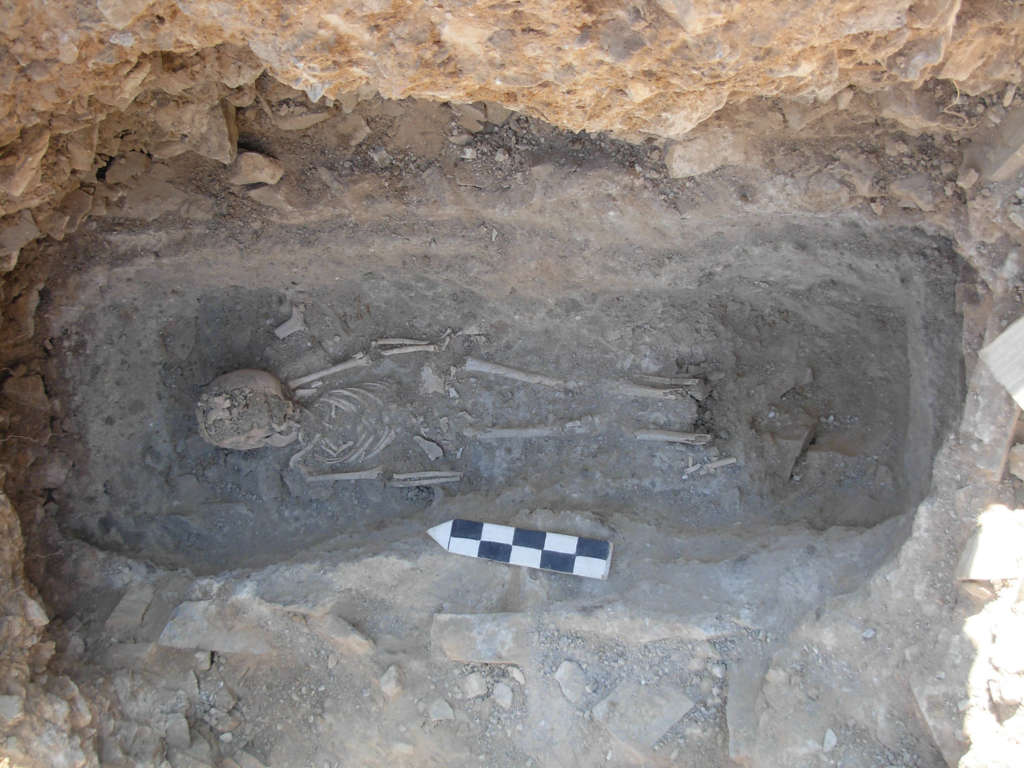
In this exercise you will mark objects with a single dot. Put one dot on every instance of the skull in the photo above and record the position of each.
(247, 409)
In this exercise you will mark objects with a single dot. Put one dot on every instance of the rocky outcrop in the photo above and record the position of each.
(36, 707)
(172, 74)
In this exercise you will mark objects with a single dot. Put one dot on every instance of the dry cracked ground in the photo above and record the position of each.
(825, 572)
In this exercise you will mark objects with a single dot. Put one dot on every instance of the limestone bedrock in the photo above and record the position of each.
(655, 66)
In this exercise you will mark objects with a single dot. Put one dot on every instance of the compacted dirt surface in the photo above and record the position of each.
(235, 608)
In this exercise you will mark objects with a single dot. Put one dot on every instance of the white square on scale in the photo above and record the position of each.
(524, 556)
(559, 542)
(500, 533)
(459, 546)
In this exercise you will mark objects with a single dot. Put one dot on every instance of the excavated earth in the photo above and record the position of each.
(810, 212)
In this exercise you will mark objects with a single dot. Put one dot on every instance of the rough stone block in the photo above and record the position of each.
(254, 168)
(997, 153)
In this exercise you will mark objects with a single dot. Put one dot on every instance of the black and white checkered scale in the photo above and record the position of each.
(558, 552)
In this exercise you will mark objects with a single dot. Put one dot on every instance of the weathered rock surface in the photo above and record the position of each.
(177, 72)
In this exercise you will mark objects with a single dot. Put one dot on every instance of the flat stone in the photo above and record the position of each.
(212, 626)
(744, 685)
(1004, 356)
(502, 696)
(177, 733)
(11, 709)
(391, 682)
(932, 699)
(914, 191)
(245, 760)
(496, 113)
(788, 444)
(254, 168)
(993, 551)
(473, 685)
(218, 139)
(28, 391)
(127, 615)
(828, 743)
(482, 638)
(17, 231)
(469, 117)
(440, 710)
(572, 681)
(128, 166)
(704, 151)
(639, 715)
(28, 155)
(300, 120)
(997, 153)
(342, 635)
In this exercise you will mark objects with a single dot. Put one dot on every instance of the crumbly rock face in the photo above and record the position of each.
(246, 409)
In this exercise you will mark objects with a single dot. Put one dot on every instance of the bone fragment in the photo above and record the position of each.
(411, 479)
(358, 360)
(407, 350)
(668, 381)
(429, 447)
(709, 467)
(293, 324)
(482, 366)
(298, 455)
(397, 342)
(718, 464)
(512, 433)
(629, 389)
(330, 477)
(666, 436)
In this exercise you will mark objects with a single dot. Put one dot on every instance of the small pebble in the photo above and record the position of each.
(868, 633)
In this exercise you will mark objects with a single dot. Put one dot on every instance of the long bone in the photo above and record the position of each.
(667, 436)
(411, 479)
(476, 365)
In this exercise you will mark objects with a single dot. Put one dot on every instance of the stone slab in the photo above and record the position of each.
(641, 714)
(482, 638)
